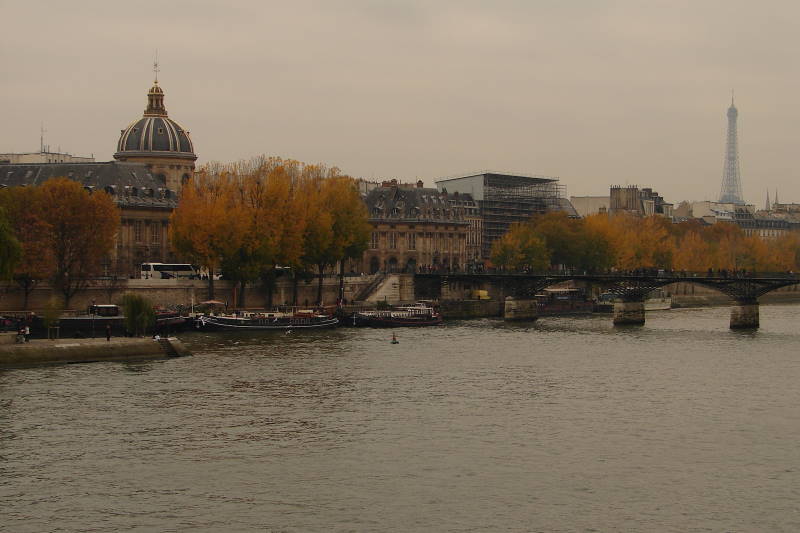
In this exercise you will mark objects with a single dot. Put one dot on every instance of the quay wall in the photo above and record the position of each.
(172, 292)
(40, 352)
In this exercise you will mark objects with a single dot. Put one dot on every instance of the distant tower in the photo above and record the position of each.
(731, 191)
(767, 208)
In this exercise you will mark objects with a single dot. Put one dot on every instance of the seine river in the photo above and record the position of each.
(567, 424)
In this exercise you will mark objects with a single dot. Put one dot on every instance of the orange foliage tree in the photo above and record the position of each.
(206, 225)
(250, 217)
(626, 242)
(521, 248)
(10, 249)
(24, 207)
(80, 232)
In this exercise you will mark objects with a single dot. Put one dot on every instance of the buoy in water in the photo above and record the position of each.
(394, 339)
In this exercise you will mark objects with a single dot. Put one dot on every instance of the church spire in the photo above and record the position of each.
(766, 208)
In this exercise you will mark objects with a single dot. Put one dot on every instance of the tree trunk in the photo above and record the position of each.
(210, 283)
(341, 282)
(27, 289)
(319, 284)
(241, 303)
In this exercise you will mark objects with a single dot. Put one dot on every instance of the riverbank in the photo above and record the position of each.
(43, 352)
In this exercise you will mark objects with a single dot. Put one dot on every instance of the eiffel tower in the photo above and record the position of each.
(731, 191)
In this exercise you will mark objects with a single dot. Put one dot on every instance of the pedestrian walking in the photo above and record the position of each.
(27, 333)
(108, 332)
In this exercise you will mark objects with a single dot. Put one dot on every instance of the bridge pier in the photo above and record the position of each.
(520, 309)
(744, 315)
(628, 313)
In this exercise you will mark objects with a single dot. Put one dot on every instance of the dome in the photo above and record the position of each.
(155, 134)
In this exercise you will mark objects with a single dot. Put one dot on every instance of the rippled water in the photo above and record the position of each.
(565, 425)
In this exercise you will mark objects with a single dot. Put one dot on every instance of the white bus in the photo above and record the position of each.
(168, 271)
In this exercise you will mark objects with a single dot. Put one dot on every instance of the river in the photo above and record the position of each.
(568, 424)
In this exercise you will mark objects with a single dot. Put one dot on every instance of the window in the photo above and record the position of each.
(155, 234)
(138, 231)
(161, 131)
(392, 240)
(412, 241)
(373, 242)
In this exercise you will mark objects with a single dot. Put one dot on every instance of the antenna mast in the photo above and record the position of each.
(41, 138)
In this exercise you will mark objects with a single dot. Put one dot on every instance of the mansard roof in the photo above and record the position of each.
(130, 184)
(419, 204)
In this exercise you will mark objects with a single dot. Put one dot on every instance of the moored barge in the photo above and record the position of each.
(416, 315)
(266, 321)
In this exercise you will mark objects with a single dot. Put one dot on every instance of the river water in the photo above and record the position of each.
(567, 424)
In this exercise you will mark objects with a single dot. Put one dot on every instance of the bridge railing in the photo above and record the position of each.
(636, 273)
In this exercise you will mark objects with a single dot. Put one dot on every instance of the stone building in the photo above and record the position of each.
(145, 206)
(638, 202)
(154, 157)
(43, 156)
(416, 227)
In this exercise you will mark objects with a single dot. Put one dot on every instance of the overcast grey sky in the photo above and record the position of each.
(594, 92)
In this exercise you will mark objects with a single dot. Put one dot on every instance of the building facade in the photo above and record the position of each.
(416, 228)
(145, 206)
(638, 202)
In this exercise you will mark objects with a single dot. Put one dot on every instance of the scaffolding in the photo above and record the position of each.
(512, 199)
(505, 199)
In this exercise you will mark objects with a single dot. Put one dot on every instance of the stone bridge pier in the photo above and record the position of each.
(744, 314)
(629, 312)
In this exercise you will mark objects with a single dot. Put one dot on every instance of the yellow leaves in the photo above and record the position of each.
(252, 215)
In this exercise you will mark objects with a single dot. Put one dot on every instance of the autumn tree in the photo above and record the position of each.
(351, 227)
(691, 253)
(265, 192)
(207, 225)
(25, 212)
(318, 237)
(521, 248)
(81, 231)
(10, 249)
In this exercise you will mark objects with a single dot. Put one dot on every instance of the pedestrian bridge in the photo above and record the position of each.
(631, 288)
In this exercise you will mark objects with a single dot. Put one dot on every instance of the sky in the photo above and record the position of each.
(596, 93)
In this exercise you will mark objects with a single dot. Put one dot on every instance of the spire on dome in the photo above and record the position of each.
(155, 97)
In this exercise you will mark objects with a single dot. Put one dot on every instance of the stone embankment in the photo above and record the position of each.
(41, 352)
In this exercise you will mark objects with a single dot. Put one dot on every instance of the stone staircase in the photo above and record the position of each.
(364, 294)
(388, 291)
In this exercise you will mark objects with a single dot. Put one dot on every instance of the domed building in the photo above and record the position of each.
(158, 142)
